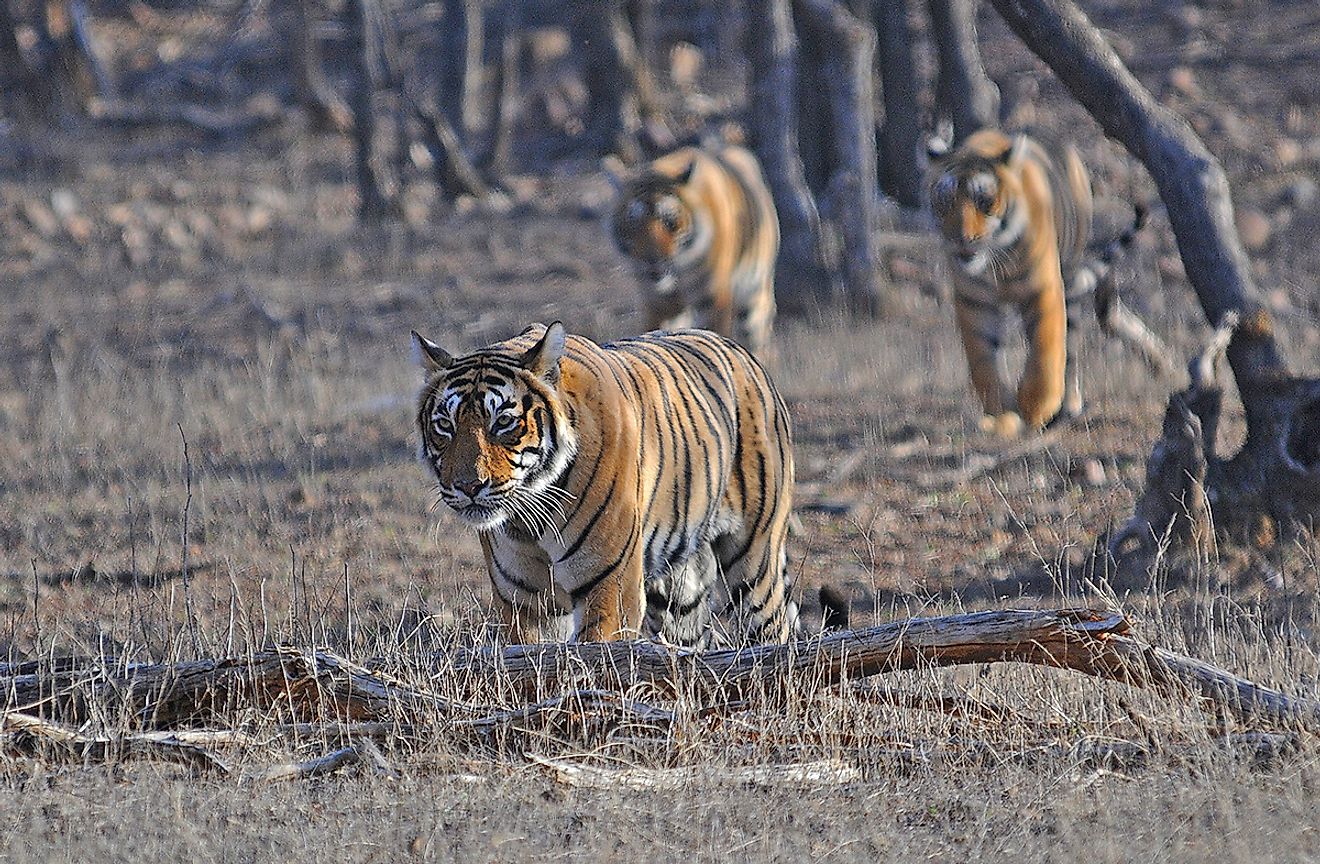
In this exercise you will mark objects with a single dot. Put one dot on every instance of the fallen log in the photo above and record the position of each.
(319, 683)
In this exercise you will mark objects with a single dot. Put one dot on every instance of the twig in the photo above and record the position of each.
(822, 773)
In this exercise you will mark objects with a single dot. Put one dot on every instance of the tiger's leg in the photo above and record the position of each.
(678, 603)
(754, 564)
(520, 580)
(1072, 392)
(754, 318)
(1041, 391)
(980, 324)
(606, 590)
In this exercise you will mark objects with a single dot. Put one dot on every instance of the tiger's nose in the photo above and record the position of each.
(471, 488)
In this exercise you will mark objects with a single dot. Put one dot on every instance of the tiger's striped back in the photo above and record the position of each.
(681, 473)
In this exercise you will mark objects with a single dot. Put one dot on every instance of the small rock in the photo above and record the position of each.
(1254, 228)
(1302, 193)
(1088, 472)
(1286, 152)
(1182, 79)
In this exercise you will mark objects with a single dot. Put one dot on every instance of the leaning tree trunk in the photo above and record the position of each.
(900, 131)
(33, 89)
(965, 93)
(1276, 475)
(844, 54)
(802, 277)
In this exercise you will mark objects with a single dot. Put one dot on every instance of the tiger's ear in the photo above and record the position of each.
(542, 359)
(686, 175)
(1015, 154)
(940, 143)
(615, 171)
(430, 356)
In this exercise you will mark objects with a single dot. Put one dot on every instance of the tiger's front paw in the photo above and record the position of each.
(1006, 425)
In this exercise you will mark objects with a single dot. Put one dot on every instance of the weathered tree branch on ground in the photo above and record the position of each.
(1088, 641)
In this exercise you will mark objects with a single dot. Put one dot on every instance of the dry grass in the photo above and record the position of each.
(225, 299)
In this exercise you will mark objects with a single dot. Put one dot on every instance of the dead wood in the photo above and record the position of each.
(831, 772)
(258, 114)
(322, 765)
(505, 87)
(320, 683)
(38, 736)
(461, 41)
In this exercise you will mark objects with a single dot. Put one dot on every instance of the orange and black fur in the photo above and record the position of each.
(701, 228)
(614, 485)
(1016, 222)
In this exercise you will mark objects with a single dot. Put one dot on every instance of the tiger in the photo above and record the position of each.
(1016, 223)
(701, 229)
(612, 486)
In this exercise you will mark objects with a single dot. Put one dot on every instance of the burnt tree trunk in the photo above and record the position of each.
(363, 22)
(900, 130)
(965, 93)
(1275, 477)
(802, 278)
(844, 53)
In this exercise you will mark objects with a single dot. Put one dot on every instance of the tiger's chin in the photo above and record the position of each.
(974, 264)
(482, 517)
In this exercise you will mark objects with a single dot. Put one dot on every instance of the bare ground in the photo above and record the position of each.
(201, 334)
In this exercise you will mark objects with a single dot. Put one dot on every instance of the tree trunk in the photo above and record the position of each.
(34, 89)
(363, 19)
(460, 64)
(900, 131)
(845, 56)
(612, 112)
(504, 112)
(325, 109)
(802, 278)
(964, 93)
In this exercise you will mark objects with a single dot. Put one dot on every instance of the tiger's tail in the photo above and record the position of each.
(1096, 276)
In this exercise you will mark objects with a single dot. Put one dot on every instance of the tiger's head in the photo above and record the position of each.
(976, 195)
(654, 222)
(494, 430)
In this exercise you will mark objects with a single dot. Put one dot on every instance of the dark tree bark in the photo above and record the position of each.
(504, 112)
(454, 174)
(964, 92)
(846, 59)
(900, 130)
(363, 22)
(326, 110)
(612, 112)
(802, 278)
(1274, 480)
(460, 63)
(33, 89)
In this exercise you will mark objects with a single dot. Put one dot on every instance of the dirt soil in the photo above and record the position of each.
(205, 415)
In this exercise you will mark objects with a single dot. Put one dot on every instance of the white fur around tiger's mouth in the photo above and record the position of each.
(664, 283)
(974, 264)
(483, 517)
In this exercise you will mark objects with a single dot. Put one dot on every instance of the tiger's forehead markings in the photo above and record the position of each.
(483, 380)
